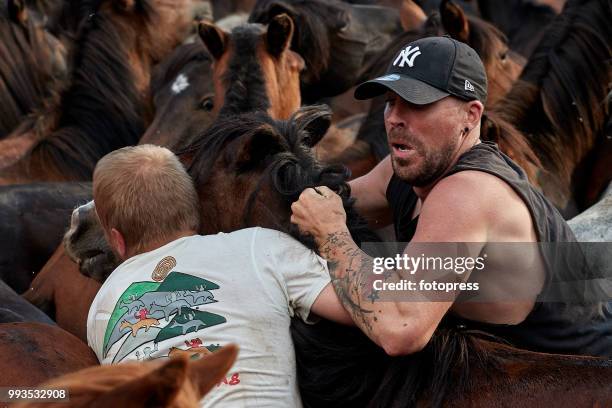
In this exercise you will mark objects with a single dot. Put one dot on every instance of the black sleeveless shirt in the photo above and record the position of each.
(549, 327)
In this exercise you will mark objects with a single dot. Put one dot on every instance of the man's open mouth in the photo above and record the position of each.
(401, 147)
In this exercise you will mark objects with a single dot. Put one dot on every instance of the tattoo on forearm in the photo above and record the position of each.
(349, 268)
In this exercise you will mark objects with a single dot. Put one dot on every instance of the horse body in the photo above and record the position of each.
(13, 308)
(104, 107)
(63, 293)
(36, 352)
(34, 218)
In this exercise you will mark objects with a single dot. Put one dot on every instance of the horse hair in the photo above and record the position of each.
(246, 85)
(350, 370)
(25, 79)
(289, 171)
(172, 65)
(99, 109)
(559, 101)
(311, 18)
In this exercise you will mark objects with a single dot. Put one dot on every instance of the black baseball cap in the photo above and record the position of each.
(429, 69)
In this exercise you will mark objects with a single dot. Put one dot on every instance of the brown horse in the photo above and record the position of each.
(502, 67)
(63, 293)
(31, 60)
(105, 103)
(36, 352)
(560, 106)
(177, 382)
(183, 97)
(254, 69)
(336, 39)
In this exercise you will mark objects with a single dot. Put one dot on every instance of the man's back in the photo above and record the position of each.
(199, 293)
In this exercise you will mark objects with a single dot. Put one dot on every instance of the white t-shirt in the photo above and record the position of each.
(199, 293)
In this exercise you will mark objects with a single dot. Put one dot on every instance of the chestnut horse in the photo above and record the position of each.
(105, 103)
(176, 382)
(31, 60)
(336, 40)
(253, 68)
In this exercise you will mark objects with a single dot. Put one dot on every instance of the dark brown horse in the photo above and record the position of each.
(31, 60)
(36, 352)
(33, 219)
(183, 97)
(13, 308)
(560, 105)
(105, 104)
(502, 67)
(254, 69)
(336, 40)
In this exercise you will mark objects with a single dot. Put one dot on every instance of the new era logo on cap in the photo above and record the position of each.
(407, 56)
(469, 86)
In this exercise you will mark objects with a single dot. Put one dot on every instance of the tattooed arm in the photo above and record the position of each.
(400, 327)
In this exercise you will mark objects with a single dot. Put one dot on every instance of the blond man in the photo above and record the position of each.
(177, 292)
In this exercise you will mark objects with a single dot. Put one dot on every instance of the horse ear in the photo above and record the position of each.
(314, 120)
(17, 11)
(126, 6)
(412, 15)
(455, 21)
(280, 32)
(256, 145)
(206, 372)
(158, 388)
(214, 38)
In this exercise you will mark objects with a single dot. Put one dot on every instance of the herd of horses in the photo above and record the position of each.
(79, 79)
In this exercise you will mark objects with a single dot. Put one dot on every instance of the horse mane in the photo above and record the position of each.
(25, 77)
(311, 18)
(289, 171)
(350, 370)
(559, 101)
(171, 66)
(246, 85)
(99, 109)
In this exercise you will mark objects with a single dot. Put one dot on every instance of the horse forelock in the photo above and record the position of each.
(245, 84)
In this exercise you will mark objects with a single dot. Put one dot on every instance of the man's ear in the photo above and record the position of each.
(118, 243)
(475, 110)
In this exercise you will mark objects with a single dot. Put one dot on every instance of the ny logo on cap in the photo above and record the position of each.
(407, 56)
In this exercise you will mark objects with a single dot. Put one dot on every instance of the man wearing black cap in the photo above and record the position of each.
(441, 183)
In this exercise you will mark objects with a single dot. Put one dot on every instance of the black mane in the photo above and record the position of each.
(290, 171)
(100, 110)
(246, 86)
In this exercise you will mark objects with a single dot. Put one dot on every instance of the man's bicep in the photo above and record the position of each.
(328, 306)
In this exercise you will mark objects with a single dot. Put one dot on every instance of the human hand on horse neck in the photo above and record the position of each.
(319, 212)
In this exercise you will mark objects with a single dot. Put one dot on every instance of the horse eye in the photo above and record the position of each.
(207, 104)
(503, 55)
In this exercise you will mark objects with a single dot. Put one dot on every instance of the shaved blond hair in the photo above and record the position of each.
(145, 193)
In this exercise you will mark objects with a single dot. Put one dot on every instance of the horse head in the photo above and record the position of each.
(264, 165)
(254, 69)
